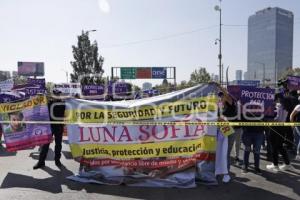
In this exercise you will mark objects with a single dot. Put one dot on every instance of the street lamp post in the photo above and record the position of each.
(67, 74)
(218, 8)
(264, 72)
(93, 30)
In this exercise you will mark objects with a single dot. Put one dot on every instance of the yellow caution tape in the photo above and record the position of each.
(163, 123)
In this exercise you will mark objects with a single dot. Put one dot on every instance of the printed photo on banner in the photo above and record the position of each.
(16, 125)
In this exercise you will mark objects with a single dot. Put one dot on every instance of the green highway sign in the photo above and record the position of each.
(128, 73)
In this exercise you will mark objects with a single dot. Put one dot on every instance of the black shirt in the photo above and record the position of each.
(230, 111)
(56, 110)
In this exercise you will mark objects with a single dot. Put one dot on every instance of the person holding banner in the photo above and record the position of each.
(230, 113)
(56, 108)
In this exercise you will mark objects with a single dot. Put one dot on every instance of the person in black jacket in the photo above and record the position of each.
(277, 136)
(56, 108)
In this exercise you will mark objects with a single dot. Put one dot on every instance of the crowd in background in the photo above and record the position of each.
(277, 140)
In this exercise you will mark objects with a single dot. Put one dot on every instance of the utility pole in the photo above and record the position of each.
(227, 79)
(264, 72)
(218, 8)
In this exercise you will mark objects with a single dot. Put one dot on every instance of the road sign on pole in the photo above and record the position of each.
(159, 73)
(128, 73)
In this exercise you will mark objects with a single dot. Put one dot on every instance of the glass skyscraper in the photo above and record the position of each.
(270, 44)
(238, 75)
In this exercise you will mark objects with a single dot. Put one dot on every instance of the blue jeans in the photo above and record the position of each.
(234, 138)
(255, 139)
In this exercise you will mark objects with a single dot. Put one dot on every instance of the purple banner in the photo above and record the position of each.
(20, 135)
(293, 82)
(10, 97)
(250, 94)
(41, 82)
(32, 87)
(93, 90)
(68, 89)
(119, 90)
(39, 87)
(34, 91)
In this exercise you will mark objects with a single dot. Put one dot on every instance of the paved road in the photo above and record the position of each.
(18, 181)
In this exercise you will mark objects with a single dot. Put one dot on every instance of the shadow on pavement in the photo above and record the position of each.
(6, 154)
(51, 155)
(234, 190)
(289, 179)
(52, 184)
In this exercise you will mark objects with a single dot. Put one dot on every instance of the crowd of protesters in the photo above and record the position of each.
(283, 140)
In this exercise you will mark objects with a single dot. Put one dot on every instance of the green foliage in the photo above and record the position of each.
(290, 72)
(165, 87)
(20, 80)
(199, 76)
(87, 64)
(136, 88)
(4, 76)
(183, 85)
(49, 87)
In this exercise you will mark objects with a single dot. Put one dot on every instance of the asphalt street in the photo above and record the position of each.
(20, 182)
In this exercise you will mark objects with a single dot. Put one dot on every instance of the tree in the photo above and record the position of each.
(290, 72)
(87, 64)
(199, 76)
(4, 75)
(165, 82)
(49, 87)
(182, 85)
(164, 87)
(20, 80)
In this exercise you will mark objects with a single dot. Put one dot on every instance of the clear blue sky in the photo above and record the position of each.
(45, 30)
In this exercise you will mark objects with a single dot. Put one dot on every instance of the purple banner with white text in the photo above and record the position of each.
(254, 95)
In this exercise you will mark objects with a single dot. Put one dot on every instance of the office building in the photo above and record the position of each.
(270, 44)
(238, 75)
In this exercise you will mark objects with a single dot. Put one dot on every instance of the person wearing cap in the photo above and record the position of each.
(56, 108)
